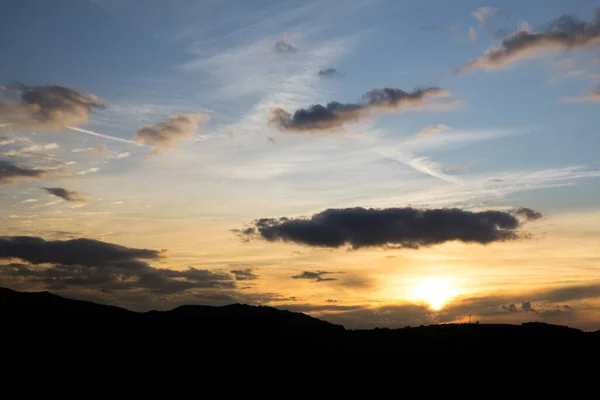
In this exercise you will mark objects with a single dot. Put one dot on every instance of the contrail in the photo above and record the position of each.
(102, 135)
(420, 164)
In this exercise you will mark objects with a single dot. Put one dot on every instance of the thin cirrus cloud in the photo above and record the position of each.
(93, 151)
(67, 195)
(336, 114)
(88, 171)
(432, 130)
(563, 34)
(392, 227)
(591, 96)
(472, 34)
(47, 107)
(92, 264)
(11, 172)
(164, 135)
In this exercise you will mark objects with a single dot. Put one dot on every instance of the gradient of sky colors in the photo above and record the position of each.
(196, 140)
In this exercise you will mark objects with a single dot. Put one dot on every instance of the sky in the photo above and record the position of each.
(368, 162)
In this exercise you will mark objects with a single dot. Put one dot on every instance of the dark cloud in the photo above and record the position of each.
(328, 72)
(397, 227)
(317, 276)
(398, 99)
(528, 213)
(48, 107)
(526, 307)
(86, 252)
(569, 293)
(165, 134)
(90, 263)
(563, 34)
(10, 172)
(336, 114)
(318, 117)
(244, 274)
(68, 195)
(283, 47)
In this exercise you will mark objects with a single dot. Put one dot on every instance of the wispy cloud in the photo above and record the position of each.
(432, 130)
(88, 171)
(591, 96)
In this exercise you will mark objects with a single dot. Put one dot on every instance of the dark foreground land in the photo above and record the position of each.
(45, 318)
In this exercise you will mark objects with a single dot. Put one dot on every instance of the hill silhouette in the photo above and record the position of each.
(28, 315)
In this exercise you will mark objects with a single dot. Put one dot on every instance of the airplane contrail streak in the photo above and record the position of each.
(102, 135)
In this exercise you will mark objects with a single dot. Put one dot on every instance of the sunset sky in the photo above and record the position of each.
(158, 153)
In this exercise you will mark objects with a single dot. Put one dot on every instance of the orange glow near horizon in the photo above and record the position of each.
(436, 291)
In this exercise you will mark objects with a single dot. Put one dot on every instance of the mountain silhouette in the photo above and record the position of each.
(26, 315)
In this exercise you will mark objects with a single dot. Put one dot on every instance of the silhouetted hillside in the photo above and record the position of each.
(74, 322)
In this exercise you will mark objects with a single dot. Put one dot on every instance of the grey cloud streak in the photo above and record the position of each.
(47, 107)
(317, 276)
(563, 34)
(391, 227)
(67, 195)
(335, 114)
(10, 172)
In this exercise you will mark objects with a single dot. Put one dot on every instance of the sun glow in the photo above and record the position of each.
(435, 291)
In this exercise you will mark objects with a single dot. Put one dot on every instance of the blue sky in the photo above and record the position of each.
(521, 134)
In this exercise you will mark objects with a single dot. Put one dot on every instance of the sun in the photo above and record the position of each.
(436, 291)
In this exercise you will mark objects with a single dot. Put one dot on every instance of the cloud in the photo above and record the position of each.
(48, 107)
(526, 307)
(472, 34)
(336, 114)
(123, 155)
(244, 274)
(94, 264)
(432, 130)
(318, 117)
(483, 13)
(592, 96)
(6, 140)
(317, 276)
(27, 201)
(328, 72)
(390, 227)
(563, 34)
(528, 213)
(283, 47)
(68, 195)
(32, 149)
(86, 252)
(569, 293)
(165, 134)
(10, 172)
(94, 151)
(88, 171)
